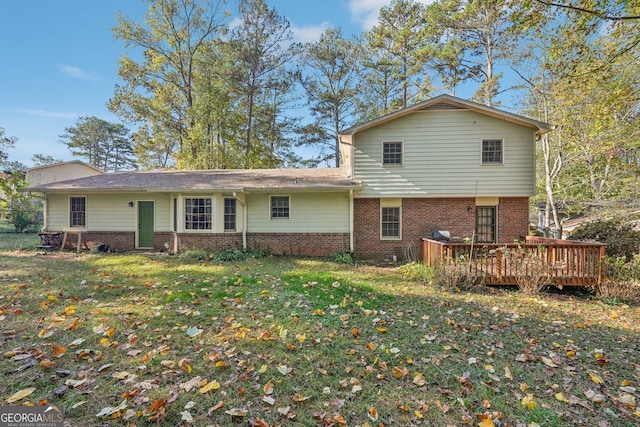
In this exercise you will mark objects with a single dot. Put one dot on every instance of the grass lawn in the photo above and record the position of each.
(152, 339)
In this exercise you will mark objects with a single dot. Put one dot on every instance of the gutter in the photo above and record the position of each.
(351, 222)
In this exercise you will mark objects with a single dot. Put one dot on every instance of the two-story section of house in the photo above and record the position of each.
(445, 164)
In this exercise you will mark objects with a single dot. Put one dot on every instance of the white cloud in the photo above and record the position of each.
(366, 12)
(309, 33)
(48, 114)
(77, 73)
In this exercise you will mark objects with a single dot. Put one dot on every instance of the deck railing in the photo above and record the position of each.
(567, 262)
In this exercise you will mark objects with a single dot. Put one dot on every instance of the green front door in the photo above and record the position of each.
(145, 224)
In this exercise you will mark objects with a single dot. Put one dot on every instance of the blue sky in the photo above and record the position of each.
(60, 60)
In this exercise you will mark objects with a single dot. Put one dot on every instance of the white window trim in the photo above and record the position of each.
(503, 152)
(224, 202)
(86, 213)
(271, 196)
(391, 203)
(183, 215)
(392, 165)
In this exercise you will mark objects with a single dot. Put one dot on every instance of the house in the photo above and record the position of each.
(63, 171)
(443, 164)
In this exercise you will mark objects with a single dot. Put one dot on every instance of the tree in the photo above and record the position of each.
(23, 211)
(6, 142)
(397, 39)
(107, 146)
(261, 47)
(471, 38)
(331, 87)
(159, 91)
(42, 160)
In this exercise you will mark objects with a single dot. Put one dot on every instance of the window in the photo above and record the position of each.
(197, 214)
(491, 151)
(390, 224)
(229, 214)
(486, 224)
(279, 207)
(392, 153)
(78, 211)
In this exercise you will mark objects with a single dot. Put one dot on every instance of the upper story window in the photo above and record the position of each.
(279, 207)
(392, 153)
(229, 214)
(492, 151)
(78, 211)
(197, 214)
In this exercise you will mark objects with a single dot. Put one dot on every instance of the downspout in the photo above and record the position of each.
(351, 222)
(244, 220)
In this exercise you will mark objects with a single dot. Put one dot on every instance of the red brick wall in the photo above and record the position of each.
(118, 241)
(311, 244)
(187, 241)
(422, 216)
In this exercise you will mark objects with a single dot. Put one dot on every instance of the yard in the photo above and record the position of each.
(148, 339)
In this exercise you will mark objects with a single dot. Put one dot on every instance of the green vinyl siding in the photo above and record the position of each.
(108, 212)
(318, 212)
(442, 157)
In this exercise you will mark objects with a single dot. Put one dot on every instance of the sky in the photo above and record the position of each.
(59, 60)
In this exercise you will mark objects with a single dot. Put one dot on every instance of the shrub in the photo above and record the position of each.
(237, 255)
(417, 271)
(530, 269)
(453, 274)
(620, 279)
(343, 257)
(618, 234)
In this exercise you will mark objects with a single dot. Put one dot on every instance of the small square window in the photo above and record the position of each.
(491, 151)
(279, 207)
(392, 153)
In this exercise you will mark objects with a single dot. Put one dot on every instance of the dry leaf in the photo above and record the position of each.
(596, 378)
(19, 395)
(213, 385)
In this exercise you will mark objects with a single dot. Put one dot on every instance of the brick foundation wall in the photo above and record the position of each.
(422, 216)
(121, 241)
(187, 241)
(310, 244)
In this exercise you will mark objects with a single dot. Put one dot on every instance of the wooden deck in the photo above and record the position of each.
(568, 263)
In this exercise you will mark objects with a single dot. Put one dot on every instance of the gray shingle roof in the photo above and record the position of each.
(209, 180)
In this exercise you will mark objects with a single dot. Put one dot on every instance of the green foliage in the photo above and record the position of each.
(21, 209)
(417, 271)
(105, 145)
(6, 142)
(26, 215)
(331, 88)
(343, 257)
(620, 279)
(237, 255)
(622, 240)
